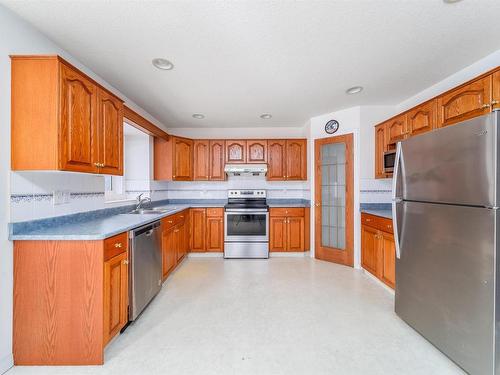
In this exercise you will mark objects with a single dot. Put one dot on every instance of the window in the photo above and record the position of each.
(114, 189)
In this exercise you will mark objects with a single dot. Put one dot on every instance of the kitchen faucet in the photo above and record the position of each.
(141, 201)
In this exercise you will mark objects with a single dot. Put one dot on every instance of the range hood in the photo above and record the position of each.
(245, 169)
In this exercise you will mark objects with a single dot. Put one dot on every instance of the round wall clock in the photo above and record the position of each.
(332, 126)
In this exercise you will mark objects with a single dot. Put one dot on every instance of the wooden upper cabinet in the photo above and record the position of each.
(296, 159)
(201, 160)
(110, 133)
(236, 151)
(276, 158)
(173, 159)
(216, 162)
(422, 118)
(256, 151)
(495, 103)
(78, 123)
(395, 129)
(380, 148)
(183, 159)
(62, 119)
(465, 102)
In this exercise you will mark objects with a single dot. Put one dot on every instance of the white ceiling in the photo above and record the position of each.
(236, 60)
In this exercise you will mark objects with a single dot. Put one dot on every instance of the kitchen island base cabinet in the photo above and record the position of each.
(69, 300)
(378, 250)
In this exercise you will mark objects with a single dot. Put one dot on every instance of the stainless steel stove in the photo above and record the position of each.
(246, 224)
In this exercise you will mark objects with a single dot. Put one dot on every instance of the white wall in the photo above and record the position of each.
(18, 37)
(237, 133)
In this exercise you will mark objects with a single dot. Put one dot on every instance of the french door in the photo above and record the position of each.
(334, 228)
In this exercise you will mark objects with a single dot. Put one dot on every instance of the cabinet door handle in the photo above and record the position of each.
(125, 261)
(97, 165)
(494, 102)
(486, 106)
(118, 244)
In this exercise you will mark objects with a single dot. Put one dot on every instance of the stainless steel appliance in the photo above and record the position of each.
(389, 161)
(245, 169)
(246, 224)
(446, 223)
(145, 270)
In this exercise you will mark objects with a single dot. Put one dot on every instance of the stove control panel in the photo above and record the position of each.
(246, 193)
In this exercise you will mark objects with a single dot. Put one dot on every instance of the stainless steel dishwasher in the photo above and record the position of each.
(146, 267)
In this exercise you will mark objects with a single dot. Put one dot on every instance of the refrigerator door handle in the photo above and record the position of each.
(396, 198)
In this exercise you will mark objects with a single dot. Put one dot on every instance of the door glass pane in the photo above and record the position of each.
(333, 195)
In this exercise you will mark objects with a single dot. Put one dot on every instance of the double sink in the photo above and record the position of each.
(150, 211)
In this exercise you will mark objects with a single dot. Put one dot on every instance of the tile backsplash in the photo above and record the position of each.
(375, 191)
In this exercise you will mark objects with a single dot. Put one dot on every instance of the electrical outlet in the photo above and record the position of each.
(61, 197)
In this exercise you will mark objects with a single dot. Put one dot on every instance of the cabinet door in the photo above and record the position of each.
(257, 151)
(395, 129)
(422, 118)
(201, 160)
(276, 156)
(110, 134)
(216, 164)
(465, 102)
(197, 222)
(115, 295)
(183, 159)
(495, 103)
(78, 123)
(295, 233)
(370, 250)
(215, 234)
(236, 151)
(380, 148)
(181, 240)
(277, 234)
(169, 251)
(388, 272)
(296, 159)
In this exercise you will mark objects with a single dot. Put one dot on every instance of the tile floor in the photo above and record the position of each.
(277, 316)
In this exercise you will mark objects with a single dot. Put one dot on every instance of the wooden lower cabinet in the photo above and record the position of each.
(288, 229)
(207, 229)
(115, 295)
(378, 250)
(175, 240)
(70, 299)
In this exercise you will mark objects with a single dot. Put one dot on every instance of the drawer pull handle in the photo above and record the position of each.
(170, 221)
(125, 261)
(368, 219)
(118, 244)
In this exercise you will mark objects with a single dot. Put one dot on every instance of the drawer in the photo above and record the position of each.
(378, 222)
(173, 220)
(287, 211)
(116, 245)
(215, 211)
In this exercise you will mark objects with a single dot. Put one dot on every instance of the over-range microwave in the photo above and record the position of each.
(389, 160)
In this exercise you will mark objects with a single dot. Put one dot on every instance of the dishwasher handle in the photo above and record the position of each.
(147, 230)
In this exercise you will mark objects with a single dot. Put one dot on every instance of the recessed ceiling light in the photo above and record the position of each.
(451, 1)
(198, 116)
(163, 64)
(354, 90)
(266, 116)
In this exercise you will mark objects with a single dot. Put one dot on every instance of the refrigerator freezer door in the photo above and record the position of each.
(454, 165)
(445, 280)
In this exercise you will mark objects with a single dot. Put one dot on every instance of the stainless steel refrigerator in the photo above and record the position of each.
(445, 208)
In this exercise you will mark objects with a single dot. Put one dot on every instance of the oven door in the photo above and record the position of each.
(246, 225)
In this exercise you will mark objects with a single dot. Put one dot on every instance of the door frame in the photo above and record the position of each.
(345, 257)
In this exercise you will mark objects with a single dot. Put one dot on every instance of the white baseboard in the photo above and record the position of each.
(6, 363)
(205, 255)
(390, 290)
